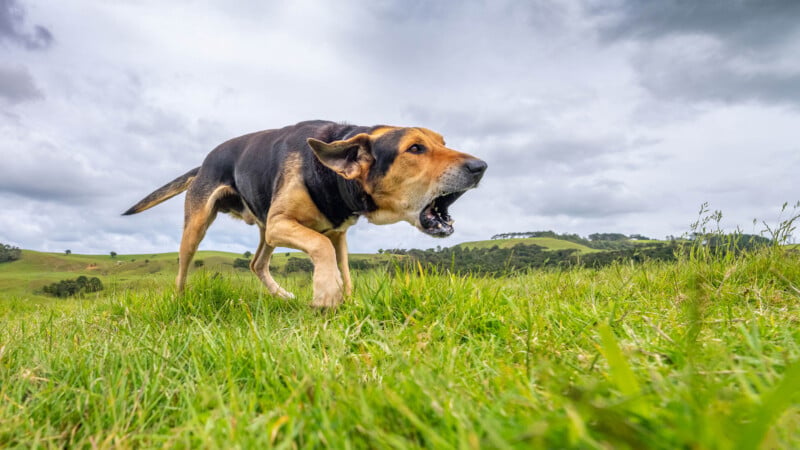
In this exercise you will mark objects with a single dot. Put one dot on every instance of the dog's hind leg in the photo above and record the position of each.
(260, 267)
(200, 212)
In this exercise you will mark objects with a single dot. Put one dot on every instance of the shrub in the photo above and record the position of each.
(240, 263)
(364, 264)
(80, 285)
(298, 265)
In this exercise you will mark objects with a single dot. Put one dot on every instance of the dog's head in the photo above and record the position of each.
(409, 173)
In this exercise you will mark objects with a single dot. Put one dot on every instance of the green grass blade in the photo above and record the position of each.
(620, 372)
(784, 396)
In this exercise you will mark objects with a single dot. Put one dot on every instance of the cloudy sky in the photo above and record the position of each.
(594, 116)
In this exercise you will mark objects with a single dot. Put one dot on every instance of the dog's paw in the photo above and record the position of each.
(276, 290)
(328, 294)
(283, 293)
(330, 300)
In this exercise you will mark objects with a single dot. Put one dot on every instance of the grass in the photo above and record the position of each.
(699, 353)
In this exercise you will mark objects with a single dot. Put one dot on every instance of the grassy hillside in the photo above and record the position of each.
(700, 353)
(25, 277)
(548, 243)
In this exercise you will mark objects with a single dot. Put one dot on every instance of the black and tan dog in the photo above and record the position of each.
(305, 184)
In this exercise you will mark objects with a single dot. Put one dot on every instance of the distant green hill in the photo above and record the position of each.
(548, 243)
(34, 270)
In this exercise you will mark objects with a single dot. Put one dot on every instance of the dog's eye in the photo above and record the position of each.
(416, 149)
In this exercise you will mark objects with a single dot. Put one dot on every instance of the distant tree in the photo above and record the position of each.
(9, 253)
(94, 285)
(68, 252)
(240, 263)
(199, 263)
(113, 254)
(247, 254)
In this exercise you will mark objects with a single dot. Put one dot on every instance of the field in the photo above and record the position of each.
(701, 353)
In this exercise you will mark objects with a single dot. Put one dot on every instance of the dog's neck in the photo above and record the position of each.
(355, 197)
(338, 199)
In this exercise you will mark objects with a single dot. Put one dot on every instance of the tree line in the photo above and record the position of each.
(497, 261)
(293, 264)
(598, 241)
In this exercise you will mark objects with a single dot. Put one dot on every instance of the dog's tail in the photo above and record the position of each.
(164, 193)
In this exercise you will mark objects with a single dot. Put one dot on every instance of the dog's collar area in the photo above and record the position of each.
(355, 198)
(368, 203)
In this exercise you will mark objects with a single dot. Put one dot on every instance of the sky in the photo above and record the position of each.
(594, 116)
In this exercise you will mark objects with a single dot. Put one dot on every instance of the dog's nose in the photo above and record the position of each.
(476, 166)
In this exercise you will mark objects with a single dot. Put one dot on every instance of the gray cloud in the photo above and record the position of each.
(744, 24)
(48, 173)
(12, 28)
(596, 199)
(710, 51)
(571, 157)
(17, 85)
(696, 69)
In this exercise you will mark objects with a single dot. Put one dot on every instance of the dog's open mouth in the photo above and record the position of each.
(434, 218)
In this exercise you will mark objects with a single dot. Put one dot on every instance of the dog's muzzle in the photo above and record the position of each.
(435, 219)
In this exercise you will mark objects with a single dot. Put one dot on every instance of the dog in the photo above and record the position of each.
(304, 185)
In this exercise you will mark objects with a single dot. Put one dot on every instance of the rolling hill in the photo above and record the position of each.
(27, 276)
(548, 243)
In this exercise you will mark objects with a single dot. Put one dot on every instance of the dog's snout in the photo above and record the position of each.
(475, 167)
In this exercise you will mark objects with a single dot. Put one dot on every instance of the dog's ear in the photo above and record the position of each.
(349, 158)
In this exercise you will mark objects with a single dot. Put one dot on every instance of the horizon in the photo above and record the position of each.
(686, 236)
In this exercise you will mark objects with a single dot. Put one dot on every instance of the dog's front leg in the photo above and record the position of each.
(339, 241)
(286, 232)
